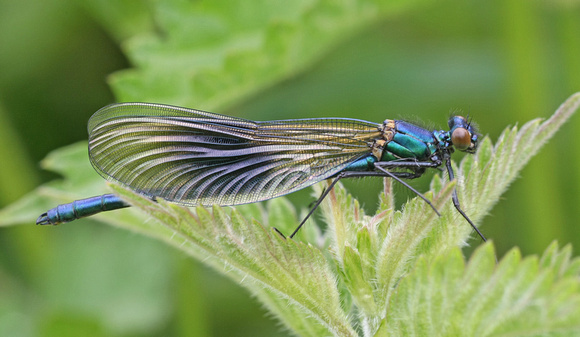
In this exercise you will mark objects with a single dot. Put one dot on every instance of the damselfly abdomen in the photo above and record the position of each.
(192, 157)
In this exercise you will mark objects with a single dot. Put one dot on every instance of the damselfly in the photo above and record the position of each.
(191, 157)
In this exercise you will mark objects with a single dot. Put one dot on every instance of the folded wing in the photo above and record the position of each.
(194, 157)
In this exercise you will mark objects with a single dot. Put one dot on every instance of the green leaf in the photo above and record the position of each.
(292, 279)
(356, 283)
(212, 54)
(445, 297)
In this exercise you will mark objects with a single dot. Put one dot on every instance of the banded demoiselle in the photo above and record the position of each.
(192, 157)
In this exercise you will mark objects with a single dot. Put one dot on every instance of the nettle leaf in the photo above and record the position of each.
(517, 297)
(292, 279)
(209, 54)
(398, 272)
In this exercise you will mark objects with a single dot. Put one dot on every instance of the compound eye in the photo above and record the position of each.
(461, 139)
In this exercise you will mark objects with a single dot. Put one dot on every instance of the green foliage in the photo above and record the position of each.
(391, 273)
(517, 297)
(394, 272)
(214, 53)
(402, 271)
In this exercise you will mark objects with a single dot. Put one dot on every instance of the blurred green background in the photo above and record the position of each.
(502, 62)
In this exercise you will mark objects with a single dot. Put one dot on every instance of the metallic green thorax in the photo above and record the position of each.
(402, 140)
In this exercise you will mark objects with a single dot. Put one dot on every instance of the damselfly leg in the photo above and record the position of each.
(382, 172)
(417, 169)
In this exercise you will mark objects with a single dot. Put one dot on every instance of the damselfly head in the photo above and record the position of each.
(463, 134)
